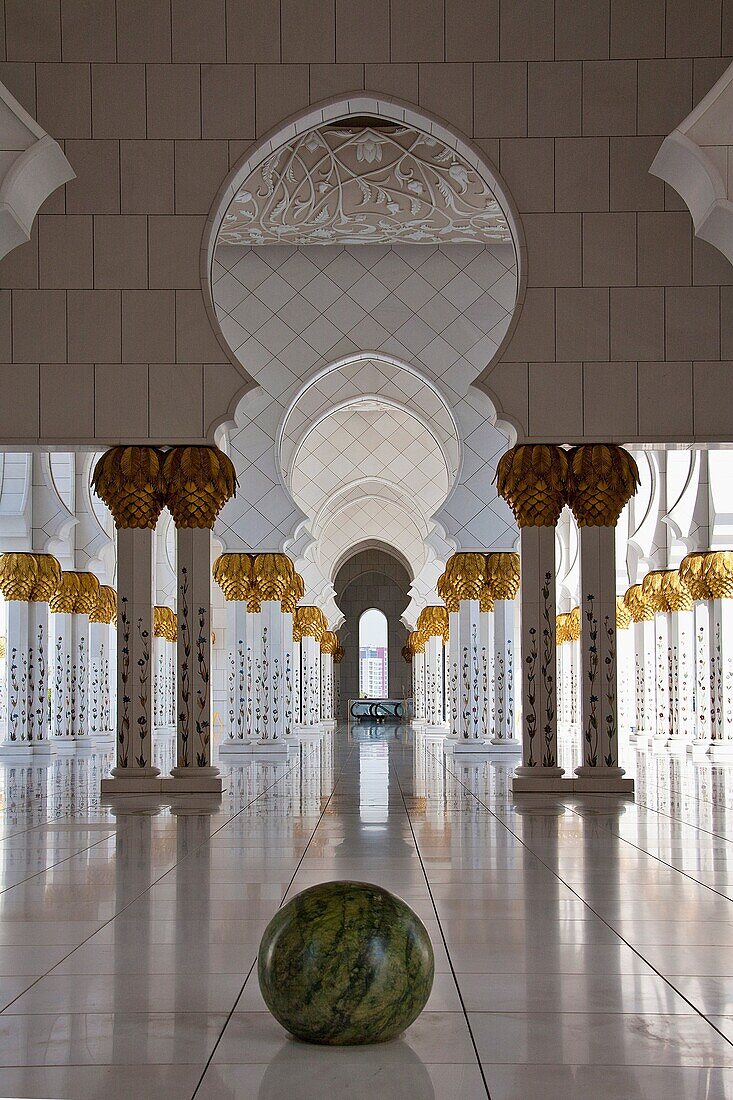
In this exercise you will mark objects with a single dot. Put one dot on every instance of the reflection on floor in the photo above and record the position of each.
(582, 946)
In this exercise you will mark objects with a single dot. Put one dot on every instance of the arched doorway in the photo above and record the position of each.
(373, 654)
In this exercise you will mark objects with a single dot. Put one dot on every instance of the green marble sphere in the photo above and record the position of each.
(345, 963)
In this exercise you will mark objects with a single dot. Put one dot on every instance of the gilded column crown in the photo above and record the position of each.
(130, 482)
(48, 575)
(574, 625)
(693, 571)
(309, 622)
(665, 591)
(329, 642)
(233, 574)
(562, 628)
(3, 646)
(601, 479)
(77, 594)
(338, 655)
(272, 577)
(719, 573)
(294, 593)
(433, 622)
(18, 575)
(532, 480)
(502, 575)
(623, 615)
(105, 610)
(464, 579)
(638, 604)
(165, 624)
(197, 483)
(415, 642)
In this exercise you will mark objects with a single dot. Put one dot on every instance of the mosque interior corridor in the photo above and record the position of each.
(575, 938)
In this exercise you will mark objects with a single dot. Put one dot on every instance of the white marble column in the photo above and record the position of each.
(598, 662)
(129, 481)
(625, 664)
(416, 646)
(309, 626)
(76, 598)
(503, 579)
(337, 659)
(708, 576)
(539, 769)
(601, 479)
(165, 631)
(28, 581)
(654, 589)
(433, 629)
(101, 668)
(683, 676)
(644, 685)
(329, 645)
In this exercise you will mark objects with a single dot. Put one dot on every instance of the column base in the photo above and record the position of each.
(432, 733)
(713, 750)
(103, 740)
(165, 786)
(601, 781)
(503, 744)
(192, 781)
(235, 747)
(540, 781)
(16, 749)
(468, 745)
(307, 733)
(678, 744)
(207, 772)
(64, 746)
(277, 749)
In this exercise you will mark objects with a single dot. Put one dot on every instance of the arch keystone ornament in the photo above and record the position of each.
(129, 479)
(601, 479)
(533, 480)
(197, 483)
(27, 581)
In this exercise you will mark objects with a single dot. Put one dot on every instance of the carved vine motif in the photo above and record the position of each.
(530, 717)
(485, 689)
(702, 684)
(123, 737)
(466, 715)
(376, 186)
(499, 701)
(231, 681)
(250, 698)
(14, 695)
(509, 689)
(454, 697)
(143, 678)
(590, 734)
(241, 691)
(184, 714)
(546, 671)
(203, 725)
(276, 674)
(81, 687)
(288, 695)
(610, 663)
(475, 686)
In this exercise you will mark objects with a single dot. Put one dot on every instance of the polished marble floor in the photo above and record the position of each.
(583, 946)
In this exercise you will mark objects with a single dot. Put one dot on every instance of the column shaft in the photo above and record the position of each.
(539, 674)
(135, 563)
(193, 748)
(503, 668)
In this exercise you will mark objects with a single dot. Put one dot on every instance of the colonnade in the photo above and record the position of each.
(282, 681)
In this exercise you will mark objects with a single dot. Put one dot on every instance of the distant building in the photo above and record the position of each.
(373, 672)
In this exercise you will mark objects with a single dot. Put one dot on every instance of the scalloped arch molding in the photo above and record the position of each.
(32, 166)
